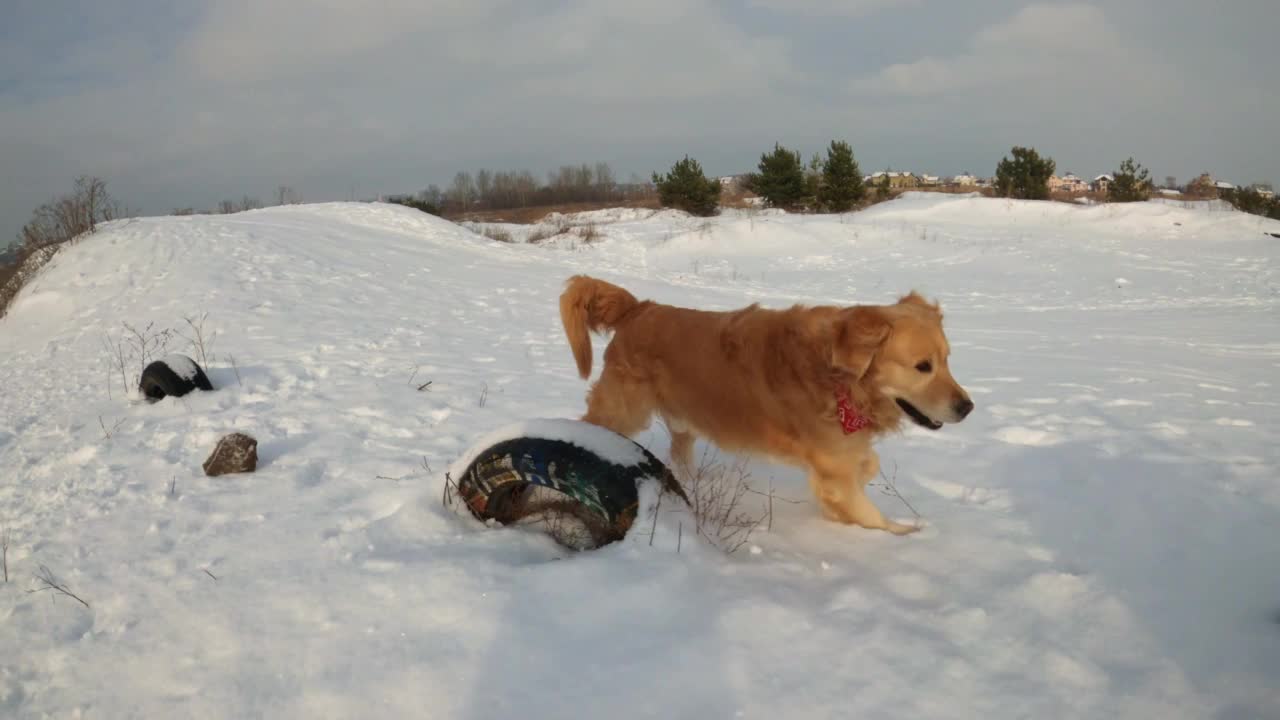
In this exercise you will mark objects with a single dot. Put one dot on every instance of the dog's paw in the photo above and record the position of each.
(898, 528)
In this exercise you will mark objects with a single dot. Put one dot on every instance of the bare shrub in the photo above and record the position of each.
(14, 277)
(539, 235)
(70, 216)
(235, 368)
(589, 233)
(229, 207)
(47, 581)
(135, 348)
(888, 485)
(201, 342)
(718, 498)
(6, 536)
(107, 433)
(60, 221)
(494, 233)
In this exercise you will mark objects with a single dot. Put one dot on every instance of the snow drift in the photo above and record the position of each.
(1101, 536)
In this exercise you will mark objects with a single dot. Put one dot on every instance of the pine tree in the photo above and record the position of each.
(841, 186)
(687, 188)
(781, 178)
(1026, 176)
(813, 181)
(1131, 184)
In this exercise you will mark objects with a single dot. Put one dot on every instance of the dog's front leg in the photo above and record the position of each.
(843, 496)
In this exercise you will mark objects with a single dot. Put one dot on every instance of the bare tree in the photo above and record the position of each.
(286, 195)
(606, 184)
(433, 195)
(484, 187)
(70, 216)
(463, 191)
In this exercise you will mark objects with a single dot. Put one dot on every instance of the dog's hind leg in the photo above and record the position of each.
(619, 403)
(682, 451)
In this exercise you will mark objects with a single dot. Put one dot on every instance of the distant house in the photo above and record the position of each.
(1224, 185)
(1069, 183)
(964, 179)
(1263, 189)
(896, 179)
(930, 181)
(1102, 182)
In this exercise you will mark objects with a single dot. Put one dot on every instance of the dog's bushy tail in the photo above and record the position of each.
(588, 305)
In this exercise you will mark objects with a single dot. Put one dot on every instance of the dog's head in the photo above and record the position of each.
(900, 352)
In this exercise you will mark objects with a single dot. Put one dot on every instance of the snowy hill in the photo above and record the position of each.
(1102, 532)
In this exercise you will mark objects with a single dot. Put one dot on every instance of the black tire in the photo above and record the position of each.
(160, 380)
(500, 485)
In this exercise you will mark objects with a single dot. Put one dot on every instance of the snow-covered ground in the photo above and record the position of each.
(1103, 534)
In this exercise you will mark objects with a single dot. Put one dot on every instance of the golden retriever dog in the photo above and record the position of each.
(809, 386)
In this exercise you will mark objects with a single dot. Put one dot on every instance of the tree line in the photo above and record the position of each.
(501, 190)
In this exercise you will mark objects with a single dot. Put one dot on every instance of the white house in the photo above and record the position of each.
(964, 179)
(1102, 182)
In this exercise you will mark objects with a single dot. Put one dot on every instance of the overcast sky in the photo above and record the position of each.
(182, 104)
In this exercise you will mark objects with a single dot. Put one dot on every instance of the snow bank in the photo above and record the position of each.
(1100, 536)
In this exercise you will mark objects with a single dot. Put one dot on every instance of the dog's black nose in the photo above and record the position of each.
(963, 408)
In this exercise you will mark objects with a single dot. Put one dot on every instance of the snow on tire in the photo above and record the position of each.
(173, 375)
(578, 481)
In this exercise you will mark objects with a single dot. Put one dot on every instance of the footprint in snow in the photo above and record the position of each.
(969, 495)
(1125, 402)
(911, 586)
(1016, 435)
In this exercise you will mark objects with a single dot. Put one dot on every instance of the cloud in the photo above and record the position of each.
(1040, 46)
(240, 41)
(831, 8)
(386, 95)
(181, 104)
(633, 53)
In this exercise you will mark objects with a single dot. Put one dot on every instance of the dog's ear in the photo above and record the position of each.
(915, 298)
(859, 333)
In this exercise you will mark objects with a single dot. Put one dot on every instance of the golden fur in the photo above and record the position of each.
(764, 381)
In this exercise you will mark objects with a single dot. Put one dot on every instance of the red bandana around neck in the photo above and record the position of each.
(851, 421)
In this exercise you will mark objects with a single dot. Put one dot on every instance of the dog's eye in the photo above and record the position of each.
(924, 366)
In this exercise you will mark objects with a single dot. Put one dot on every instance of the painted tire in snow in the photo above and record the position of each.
(594, 472)
(174, 375)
